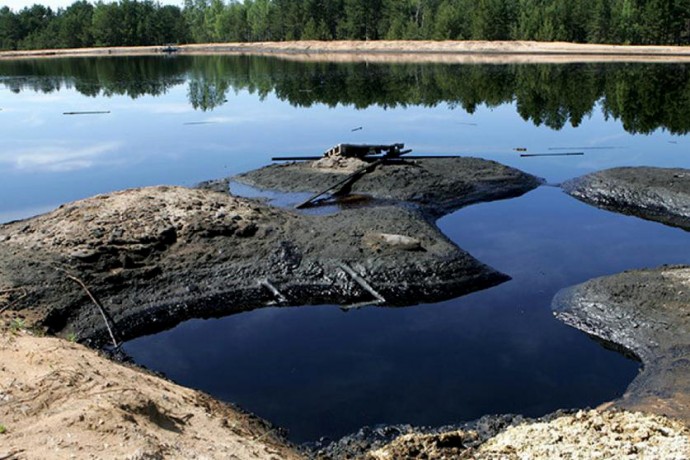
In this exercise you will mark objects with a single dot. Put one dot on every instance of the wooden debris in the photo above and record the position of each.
(341, 183)
(281, 299)
(23, 294)
(362, 150)
(87, 113)
(375, 154)
(551, 154)
(407, 157)
(100, 307)
(583, 148)
(364, 285)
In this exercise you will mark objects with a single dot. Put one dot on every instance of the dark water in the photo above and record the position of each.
(316, 370)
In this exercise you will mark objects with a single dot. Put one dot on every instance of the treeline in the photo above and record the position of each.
(82, 24)
(133, 22)
(644, 97)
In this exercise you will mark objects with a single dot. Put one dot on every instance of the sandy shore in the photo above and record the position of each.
(61, 400)
(406, 51)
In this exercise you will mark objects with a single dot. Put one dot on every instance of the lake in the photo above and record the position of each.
(75, 127)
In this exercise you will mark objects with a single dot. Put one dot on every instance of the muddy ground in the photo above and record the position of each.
(648, 313)
(436, 186)
(156, 256)
(658, 194)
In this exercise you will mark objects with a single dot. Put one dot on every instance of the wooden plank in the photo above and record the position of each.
(362, 282)
(276, 293)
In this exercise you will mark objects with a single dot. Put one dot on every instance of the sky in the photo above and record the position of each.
(17, 5)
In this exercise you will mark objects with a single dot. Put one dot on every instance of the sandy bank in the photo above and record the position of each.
(61, 400)
(404, 51)
(584, 435)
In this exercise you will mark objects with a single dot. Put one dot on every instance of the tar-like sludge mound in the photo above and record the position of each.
(658, 194)
(648, 313)
(156, 256)
(438, 186)
(143, 260)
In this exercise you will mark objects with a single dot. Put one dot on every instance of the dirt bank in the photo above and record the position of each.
(152, 271)
(648, 313)
(61, 400)
(658, 194)
(411, 51)
(156, 256)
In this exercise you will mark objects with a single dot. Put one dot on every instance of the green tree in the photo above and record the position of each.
(10, 29)
(451, 21)
(361, 18)
(195, 15)
(233, 23)
(75, 25)
(492, 19)
(599, 23)
(258, 14)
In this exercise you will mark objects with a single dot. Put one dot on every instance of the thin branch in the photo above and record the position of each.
(24, 294)
(364, 285)
(95, 302)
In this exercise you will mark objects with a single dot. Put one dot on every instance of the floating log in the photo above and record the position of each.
(551, 154)
(94, 112)
(583, 148)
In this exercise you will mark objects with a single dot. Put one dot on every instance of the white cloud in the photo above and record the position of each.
(58, 159)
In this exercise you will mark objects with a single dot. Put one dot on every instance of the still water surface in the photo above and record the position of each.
(317, 370)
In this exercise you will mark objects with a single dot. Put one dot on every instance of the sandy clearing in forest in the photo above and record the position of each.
(404, 51)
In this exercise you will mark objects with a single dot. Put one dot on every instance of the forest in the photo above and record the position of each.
(133, 22)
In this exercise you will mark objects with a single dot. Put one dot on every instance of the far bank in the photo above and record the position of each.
(398, 51)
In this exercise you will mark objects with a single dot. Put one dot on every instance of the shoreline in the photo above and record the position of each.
(397, 51)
